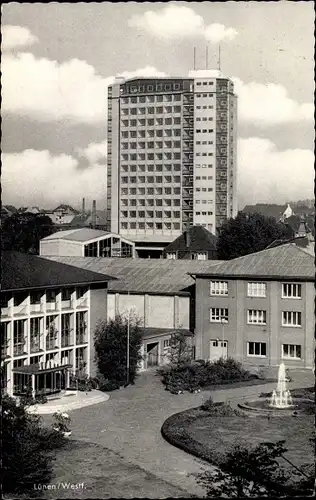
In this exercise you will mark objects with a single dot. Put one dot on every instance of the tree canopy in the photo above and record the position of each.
(23, 232)
(249, 233)
(110, 341)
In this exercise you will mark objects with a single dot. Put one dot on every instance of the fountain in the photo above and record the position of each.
(280, 402)
(281, 397)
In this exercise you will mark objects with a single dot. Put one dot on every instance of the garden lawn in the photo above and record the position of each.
(105, 475)
(220, 433)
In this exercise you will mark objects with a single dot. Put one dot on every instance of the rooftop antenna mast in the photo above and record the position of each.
(194, 58)
(219, 58)
(206, 57)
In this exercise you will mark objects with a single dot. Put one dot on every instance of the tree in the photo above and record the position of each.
(26, 448)
(179, 350)
(110, 342)
(249, 233)
(247, 472)
(23, 232)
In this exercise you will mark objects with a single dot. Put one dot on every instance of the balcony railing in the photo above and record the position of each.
(66, 304)
(82, 302)
(35, 308)
(51, 306)
(18, 348)
(20, 310)
(5, 350)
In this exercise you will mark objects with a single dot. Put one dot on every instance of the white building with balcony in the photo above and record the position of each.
(48, 313)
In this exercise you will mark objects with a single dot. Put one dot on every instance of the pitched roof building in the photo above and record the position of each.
(195, 243)
(258, 308)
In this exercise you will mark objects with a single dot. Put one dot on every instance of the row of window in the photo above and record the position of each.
(204, 213)
(157, 167)
(151, 98)
(158, 110)
(150, 191)
(168, 132)
(151, 145)
(159, 202)
(258, 289)
(293, 351)
(204, 178)
(158, 87)
(151, 226)
(204, 202)
(158, 214)
(204, 119)
(150, 156)
(204, 153)
(204, 190)
(257, 317)
(203, 95)
(150, 179)
(151, 122)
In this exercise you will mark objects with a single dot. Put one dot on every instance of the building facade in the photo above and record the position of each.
(171, 155)
(258, 309)
(86, 242)
(48, 314)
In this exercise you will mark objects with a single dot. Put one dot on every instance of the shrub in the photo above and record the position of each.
(82, 383)
(191, 376)
(26, 448)
(219, 409)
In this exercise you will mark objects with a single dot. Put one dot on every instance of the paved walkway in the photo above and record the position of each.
(129, 423)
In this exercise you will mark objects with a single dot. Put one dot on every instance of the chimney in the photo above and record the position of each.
(94, 214)
(187, 237)
(83, 211)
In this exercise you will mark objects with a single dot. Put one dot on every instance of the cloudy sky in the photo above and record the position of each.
(58, 59)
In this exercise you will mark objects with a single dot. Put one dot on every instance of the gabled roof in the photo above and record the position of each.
(152, 276)
(281, 262)
(66, 207)
(200, 239)
(86, 220)
(269, 210)
(21, 271)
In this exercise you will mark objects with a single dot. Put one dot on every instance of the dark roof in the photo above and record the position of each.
(269, 210)
(200, 239)
(21, 271)
(281, 262)
(152, 276)
(11, 208)
(66, 207)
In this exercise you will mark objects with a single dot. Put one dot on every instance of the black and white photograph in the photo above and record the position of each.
(157, 250)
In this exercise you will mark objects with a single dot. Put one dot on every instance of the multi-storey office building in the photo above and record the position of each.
(258, 309)
(171, 155)
(48, 314)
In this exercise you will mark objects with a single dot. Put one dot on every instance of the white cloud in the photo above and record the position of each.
(269, 105)
(49, 91)
(94, 152)
(42, 179)
(16, 36)
(176, 21)
(217, 32)
(266, 174)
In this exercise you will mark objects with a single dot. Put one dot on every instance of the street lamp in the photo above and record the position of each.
(127, 353)
(223, 321)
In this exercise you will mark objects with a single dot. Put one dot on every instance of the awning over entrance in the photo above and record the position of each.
(36, 369)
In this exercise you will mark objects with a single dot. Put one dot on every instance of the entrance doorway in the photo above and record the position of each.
(152, 354)
(218, 349)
